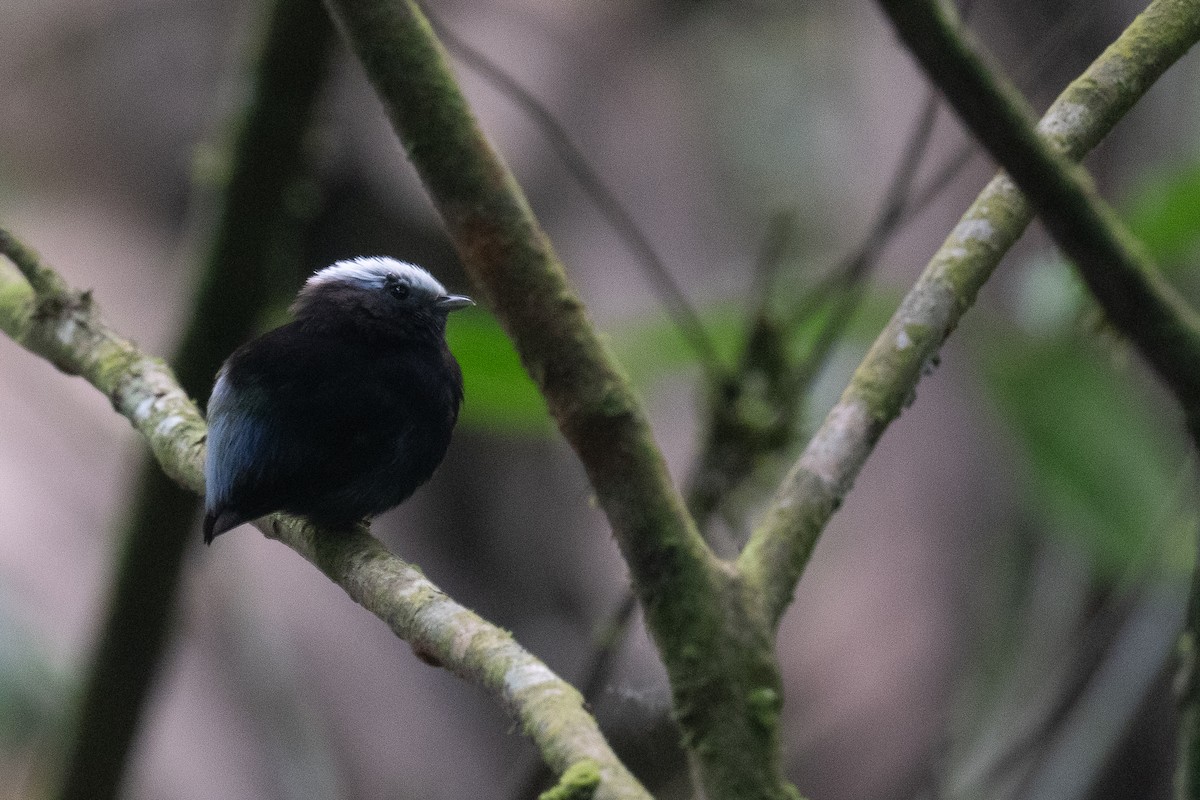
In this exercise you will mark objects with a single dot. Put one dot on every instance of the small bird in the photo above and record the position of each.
(342, 413)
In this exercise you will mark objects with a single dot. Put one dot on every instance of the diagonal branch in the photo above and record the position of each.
(64, 326)
(672, 296)
(1135, 295)
(508, 255)
(713, 638)
(248, 239)
(885, 381)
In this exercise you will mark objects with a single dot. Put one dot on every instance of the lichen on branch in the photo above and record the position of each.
(65, 327)
(1134, 293)
(886, 380)
(714, 642)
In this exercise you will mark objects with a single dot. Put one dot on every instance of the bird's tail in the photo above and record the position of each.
(217, 522)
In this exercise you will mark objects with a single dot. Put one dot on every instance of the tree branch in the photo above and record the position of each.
(672, 296)
(1135, 295)
(64, 326)
(264, 159)
(886, 380)
(714, 641)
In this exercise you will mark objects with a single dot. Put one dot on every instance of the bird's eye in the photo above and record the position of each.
(400, 290)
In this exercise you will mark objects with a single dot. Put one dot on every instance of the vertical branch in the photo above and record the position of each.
(136, 627)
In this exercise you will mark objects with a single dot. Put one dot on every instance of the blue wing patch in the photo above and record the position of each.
(240, 442)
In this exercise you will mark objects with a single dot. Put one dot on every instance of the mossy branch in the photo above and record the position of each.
(65, 327)
(885, 382)
(1135, 295)
(510, 259)
(577, 783)
(714, 641)
(263, 161)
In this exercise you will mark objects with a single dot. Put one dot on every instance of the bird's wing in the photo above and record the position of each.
(351, 412)
(242, 442)
(304, 418)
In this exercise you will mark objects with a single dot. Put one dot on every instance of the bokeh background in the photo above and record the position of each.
(992, 613)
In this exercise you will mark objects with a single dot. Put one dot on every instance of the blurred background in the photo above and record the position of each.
(991, 614)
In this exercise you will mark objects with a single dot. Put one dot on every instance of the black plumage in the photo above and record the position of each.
(342, 413)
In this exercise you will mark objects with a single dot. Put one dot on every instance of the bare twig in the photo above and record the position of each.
(741, 432)
(670, 293)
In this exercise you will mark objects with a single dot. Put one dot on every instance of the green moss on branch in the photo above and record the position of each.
(577, 783)
(264, 159)
(886, 380)
(65, 327)
(1134, 294)
(716, 645)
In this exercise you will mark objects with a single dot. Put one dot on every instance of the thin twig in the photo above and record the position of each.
(776, 245)
(942, 177)
(670, 293)
(43, 281)
(736, 443)
(851, 270)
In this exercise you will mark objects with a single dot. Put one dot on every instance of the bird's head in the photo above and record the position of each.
(377, 294)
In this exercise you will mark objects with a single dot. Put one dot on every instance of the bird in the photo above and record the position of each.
(342, 413)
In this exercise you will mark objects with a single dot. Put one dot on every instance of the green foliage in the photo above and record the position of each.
(1105, 462)
(650, 347)
(1165, 214)
(32, 693)
(501, 398)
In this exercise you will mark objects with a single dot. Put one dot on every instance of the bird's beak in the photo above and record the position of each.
(453, 302)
